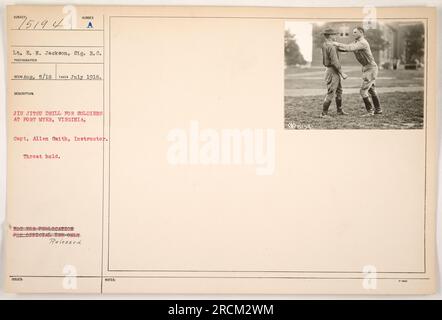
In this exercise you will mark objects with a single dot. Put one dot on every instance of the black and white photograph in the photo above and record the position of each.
(354, 75)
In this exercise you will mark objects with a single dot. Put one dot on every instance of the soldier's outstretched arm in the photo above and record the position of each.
(349, 47)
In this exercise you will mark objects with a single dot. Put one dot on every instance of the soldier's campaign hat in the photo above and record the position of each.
(329, 31)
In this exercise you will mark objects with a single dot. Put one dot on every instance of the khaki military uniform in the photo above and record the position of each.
(369, 75)
(363, 54)
(330, 58)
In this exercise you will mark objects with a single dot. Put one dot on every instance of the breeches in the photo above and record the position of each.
(333, 82)
(369, 75)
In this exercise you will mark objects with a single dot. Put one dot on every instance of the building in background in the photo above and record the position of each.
(392, 43)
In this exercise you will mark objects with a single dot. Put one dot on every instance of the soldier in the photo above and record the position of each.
(333, 74)
(361, 48)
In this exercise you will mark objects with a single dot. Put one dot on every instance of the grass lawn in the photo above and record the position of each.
(402, 110)
(297, 78)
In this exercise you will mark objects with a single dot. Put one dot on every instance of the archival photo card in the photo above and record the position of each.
(355, 74)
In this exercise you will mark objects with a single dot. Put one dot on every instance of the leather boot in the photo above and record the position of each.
(339, 107)
(325, 107)
(368, 106)
(377, 104)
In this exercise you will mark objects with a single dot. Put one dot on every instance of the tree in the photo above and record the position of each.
(415, 42)
(292, 54)
(376, 40)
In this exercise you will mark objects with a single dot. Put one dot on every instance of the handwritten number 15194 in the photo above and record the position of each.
(32, 24)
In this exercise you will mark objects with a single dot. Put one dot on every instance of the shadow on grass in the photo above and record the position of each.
(402, 110)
